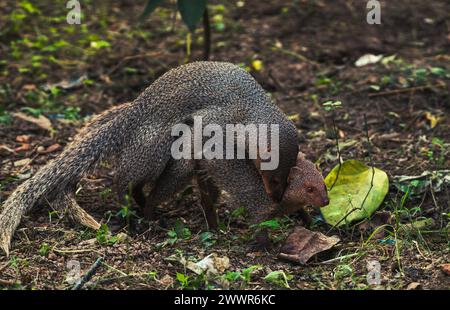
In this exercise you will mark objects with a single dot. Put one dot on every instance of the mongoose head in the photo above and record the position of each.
(306, 186)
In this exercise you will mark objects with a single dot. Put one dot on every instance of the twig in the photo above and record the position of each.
(436, 204)
(296, 55)
(336, 136)
(366, 127)
(115, 269)
(340, 258)
(404, 90)
(371, 181)
(62, 251)
(88, 274)
(345, 217)
(207, 35)
(4, 267)
(277, 82)
(7, 282)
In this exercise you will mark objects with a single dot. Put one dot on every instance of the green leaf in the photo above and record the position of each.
(233, 275)
(150, 7)
(34, 112)
(349, 191)
(271, 224)
(279, 277)
(191, 11)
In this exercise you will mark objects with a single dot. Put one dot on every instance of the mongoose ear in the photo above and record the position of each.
(301, 156)
(293, 173)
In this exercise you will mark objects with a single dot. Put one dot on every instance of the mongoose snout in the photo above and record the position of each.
(306, 187)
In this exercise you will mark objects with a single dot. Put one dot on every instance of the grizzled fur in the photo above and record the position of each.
(136, 138)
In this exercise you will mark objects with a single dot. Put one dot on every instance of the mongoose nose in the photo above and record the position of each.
(326, 201)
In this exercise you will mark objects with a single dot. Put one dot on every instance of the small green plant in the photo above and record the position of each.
(207, 239)
(125, 211)
(51, 214)
(244, 275)
(238, 212)
(279, 277)
(72, 113)
(193, 283)
(43, 250)
(177, 233)
(332, 105)
(271, 224)
(183, 279)
(181, 230)
(5, 117)
(104, 236)
(32, 111)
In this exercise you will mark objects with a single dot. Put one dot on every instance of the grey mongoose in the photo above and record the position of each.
(136, 138)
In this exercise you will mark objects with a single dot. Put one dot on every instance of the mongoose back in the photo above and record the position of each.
(135, 138)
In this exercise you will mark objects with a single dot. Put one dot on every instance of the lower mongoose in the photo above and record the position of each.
(136, 138)
(305, 186)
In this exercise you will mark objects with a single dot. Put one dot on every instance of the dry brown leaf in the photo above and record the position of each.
(23, 138)
(166, 281)
(212, 264)
(40, 121)
(414, 286)
(302, 244)
(446, 269)
(29, 87)
(24, 147)
(50, 149)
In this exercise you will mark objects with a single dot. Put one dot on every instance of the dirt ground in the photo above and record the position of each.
(308, 51)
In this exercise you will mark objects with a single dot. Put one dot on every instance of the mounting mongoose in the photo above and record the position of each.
(136, 139)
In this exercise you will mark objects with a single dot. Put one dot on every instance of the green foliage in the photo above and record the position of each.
(175, 234)
(43, 250)
(104, 237)
(271, 224)
(207, 239)
(183, 279)
(191, 11)
(332, 105)
(194, 282)
(150, 7)
(181, 230)
(238, 212)
(244, 275)
(5, 117)
(279, 277)
(355, 192)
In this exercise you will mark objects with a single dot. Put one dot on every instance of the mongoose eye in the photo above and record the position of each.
(310, 189)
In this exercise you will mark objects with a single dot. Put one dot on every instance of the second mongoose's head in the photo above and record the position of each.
(306, 186)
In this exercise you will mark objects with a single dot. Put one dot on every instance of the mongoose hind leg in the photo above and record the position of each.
(175, 177)
(138, 195)
(209, 193)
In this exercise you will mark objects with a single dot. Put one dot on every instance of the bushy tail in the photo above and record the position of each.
(98, 141)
